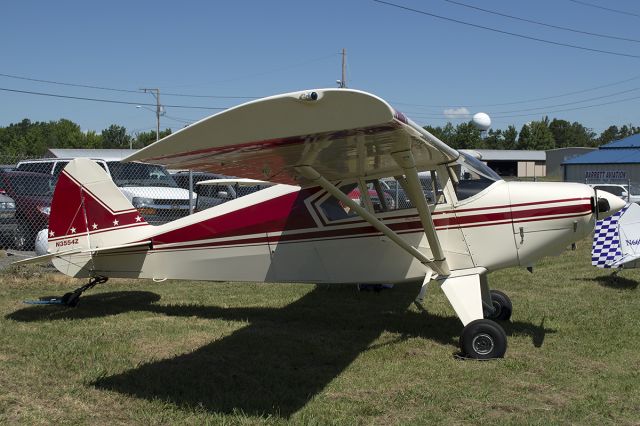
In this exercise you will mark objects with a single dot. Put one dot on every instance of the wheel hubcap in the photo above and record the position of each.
(483, 344)
(497, 309)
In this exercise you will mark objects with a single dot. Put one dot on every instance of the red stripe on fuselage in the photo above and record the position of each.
(290, 213)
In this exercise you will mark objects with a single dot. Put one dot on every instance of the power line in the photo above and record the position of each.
(571, 103)
(541, 112)
(541, 40)
(571, 109)
(622, 12)
(465, 117)
(112, 89)
(111, 101)
(531, 21)
(576, 92)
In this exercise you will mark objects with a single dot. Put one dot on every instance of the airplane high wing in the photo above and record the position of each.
(341, 133)
(314, 138)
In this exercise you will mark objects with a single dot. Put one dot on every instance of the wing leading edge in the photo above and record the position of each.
(341, 133)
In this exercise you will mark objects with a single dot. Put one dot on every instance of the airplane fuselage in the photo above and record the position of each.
(282, 234)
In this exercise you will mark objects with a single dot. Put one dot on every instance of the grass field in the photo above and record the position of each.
(218, 353)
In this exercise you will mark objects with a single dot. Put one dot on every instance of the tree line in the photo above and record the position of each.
(32, 139)
(536, 135)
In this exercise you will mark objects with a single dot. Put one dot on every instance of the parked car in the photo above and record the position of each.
(212, 194)
(149, 187)
(7, 220)
(621, 190)
(32, 193)
(355, 195)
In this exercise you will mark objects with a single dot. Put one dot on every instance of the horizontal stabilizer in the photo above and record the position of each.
(93, 251)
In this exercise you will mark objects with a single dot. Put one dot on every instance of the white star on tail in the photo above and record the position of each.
(138, 218)
(94, 226)
(51, 233)
(73, 230)
(115, 222)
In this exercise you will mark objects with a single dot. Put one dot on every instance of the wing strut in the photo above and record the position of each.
(405, 160)
(310, 173)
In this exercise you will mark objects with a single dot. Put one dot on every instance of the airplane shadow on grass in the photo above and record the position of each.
(616, 282)
(275, 365)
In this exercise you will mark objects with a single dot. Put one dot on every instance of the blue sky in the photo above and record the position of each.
(426, 67)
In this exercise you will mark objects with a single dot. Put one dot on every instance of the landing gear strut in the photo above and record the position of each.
(72, 298)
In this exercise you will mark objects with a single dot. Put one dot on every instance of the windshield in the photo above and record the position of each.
(32, 185)
(140, 174)
(473, 176)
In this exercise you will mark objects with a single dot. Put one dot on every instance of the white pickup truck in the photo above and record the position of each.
(149, 187)
(621, 190)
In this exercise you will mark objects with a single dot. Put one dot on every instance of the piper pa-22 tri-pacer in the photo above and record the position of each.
(461, 220)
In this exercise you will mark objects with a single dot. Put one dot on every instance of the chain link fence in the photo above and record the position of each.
(160, 195)
(623, 188)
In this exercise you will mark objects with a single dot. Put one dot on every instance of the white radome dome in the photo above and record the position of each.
(482, 121)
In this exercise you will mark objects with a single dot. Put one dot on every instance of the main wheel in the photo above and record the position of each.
(502, 307)
(483, 339)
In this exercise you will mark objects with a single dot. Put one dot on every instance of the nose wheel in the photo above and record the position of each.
(483, 339)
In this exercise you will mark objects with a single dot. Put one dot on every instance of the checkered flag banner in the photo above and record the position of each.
(606, 248)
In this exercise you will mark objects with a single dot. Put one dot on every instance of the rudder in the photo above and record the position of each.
(87, 204)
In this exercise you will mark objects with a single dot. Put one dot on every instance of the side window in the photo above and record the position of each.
(471, 176)
(38, 167)
(386, 194)
(218, 191)
(615, 190)
(334, 209)
(60, 165)
(431, 189)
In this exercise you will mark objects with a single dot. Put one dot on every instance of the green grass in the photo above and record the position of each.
(219, 353)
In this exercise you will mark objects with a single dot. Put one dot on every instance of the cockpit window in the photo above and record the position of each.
(473, 176)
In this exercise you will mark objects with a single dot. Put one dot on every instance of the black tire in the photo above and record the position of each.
(483, 339)
(501, 305)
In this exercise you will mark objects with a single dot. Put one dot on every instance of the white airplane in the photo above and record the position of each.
(319, 146)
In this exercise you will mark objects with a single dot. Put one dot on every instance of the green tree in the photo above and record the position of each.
(147, 138)
(92, 140)
(524, 138)
(510, 137)
(568, 134)
(115, 137)
(467, 136)
(64, 134)
(494, 139)
(536, 136)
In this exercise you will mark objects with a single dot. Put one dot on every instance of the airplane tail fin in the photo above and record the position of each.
(616, 241)
(89, 211)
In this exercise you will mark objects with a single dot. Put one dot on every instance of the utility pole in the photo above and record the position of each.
(156, 94)
(343, 81)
